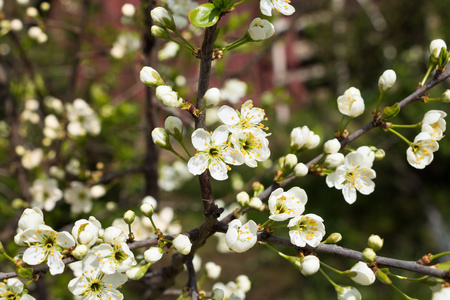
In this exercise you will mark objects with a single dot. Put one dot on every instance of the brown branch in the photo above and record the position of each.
(192, 281)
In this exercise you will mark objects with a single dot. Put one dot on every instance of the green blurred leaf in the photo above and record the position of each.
(204, 15)
(223, 5)
(445, 266)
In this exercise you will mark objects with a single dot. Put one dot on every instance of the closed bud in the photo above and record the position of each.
(174, 126)
(383, 277)
(243, 199)
(362, 274)
(162, 17)
(150, 77)
(312, 142)
(258, 188)
(333, 238)
(2, 250)
(153, 254)
(147, 209)
(137, 272)
(212, 97)
(80, 252)
(300, 170)
(182, 243)
(129, 217)
(256, 203)
(167, 96)
(334, 160)
(435, 50)
(386, 80)
(212, 270)
(310, 265)
(379, 154)
(161, 138)
(290, 162)
(446, 97)
(260, 29)
(368, 255)
(160, 32)
(331, 146)
(375, 242)
(391, 111)
(443, 59)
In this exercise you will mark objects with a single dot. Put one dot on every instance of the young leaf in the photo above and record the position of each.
(204, 15)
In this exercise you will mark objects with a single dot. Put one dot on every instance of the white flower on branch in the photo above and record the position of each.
(45, 193)
(82, 119)
(12, 288)
(182, 243)
(307, 229)
(248, 119)
(303, 138)
(115, 257)
(436, 47)
(310, 265)
(254, 147)
(86, 232)
(79, 197)
(289, 204)
(260, 29)
(167, 96)
(434, 124)
(153, 254)
(94, 284)
(349, 293)
(45, 244)
(355, 174)
(386, 80)
(213, 153)
(282, 6)
(351, 103)
(233, 90)
(443, 294)
(420, 153)
(364, 275)
(240, 238)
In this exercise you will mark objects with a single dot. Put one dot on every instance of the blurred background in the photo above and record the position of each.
(90, 49)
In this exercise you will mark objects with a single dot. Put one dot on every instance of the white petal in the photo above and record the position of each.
(55, 263)
(349, 193)
(197, 164)
(200, 139)
(218, 171)
(228, 115)
(220, 135)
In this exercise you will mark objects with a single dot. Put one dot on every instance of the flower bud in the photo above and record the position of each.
(182, 243)
(243, 283)
(150, 77)
(243, 199)
(137, 272)
(147, 209)
(446, 97)
(153, 254)
(334, 160)
(348, 293)
(128, 10)
(162, 17)
(80, 252)
(386, 80)
(212, 97)
(379, 154)
(383, 277)
(258, 188)
(290, 162)
(260, 29)
(161, 138)
(334, 238)
(312, 142)
(375, 242)
(435, 49)
(310, 265)
(368, 255)
(129, 217)
(217, 294)
(300, 170)
(212, 270)
(362, 274)
(167, 96)
(174, 126)
(331, 146)
(160, 32)
(256, 203)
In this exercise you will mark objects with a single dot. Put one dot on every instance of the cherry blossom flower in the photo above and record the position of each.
(79, 197)
(233, 90)
(284, 205)
(213, 153)
(260, 29)
(117, 257)
(82, 119)
(443, 294)
(434, 124)
(355, 174)
(310, 265)
(182, 243)
(12, 288)
(307, 229)
(282, 6)
(94, 284)
(86, 232)
(212, 270)
(254, 147)
(387, 80)
(303, 138)
(153, 254)
(420, 153)
(45, 244)
(230, 290)
(351, 103)
(240, 238)
(248, 119)
(348, 293)
(45, 193)
(364, 275)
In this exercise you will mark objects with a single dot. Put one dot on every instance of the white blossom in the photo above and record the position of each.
(364, 275)
(387, 80)
(45, 193)
(282, 6)
(213, 153)
(82, 119)
(12, 288)
(212, 97)
(260, 29)
(243, 283)
(79, 197)
(30, 218)
(307, 229)
(230, 291)
(128, 10)
(167, 96)
(150, 77)
(174, 126)
(310, 265)
(233, 90)
(300, 170)
(443, 294)
(162, 17)
(45, 244)
(180, 10)
(420, 153)
(116, 257)
(248, 119)
(182, 243)
(253, 146)
(169, 50)
(349, 293)
(331, 146)
(86, 232)
(240, 238)
(94, 284)
(153, 254)
(434, 124)
(334, 160)
(212, 270)
(289, 204)
(32, 158)
(351, 103)
(355, 174)
(436, 47)
(303, 138)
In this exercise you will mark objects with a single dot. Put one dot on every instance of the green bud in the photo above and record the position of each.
(443, 59)
(163, 17)
(379, 154)
(391, 111)
(446, 97)
(290, 162)
(369, 255)
(18, 203)
(258, 188)
(383, 277)
(137, 272)
(160, 32)
(129, 217)
(375, 242)
(147, 209)
(333, 238)
(161, 138)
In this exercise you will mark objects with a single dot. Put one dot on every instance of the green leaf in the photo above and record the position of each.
(204, 15)
(445, 266)
(391, 111)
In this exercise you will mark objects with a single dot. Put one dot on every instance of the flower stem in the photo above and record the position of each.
(332, 269)
(336, 286)
(405, 126)
(241, 2)
(430, 68)
(340, 124)
(184, 40)
(439, 255)
(243, 40)
(379, 101)
(176, 153)
(184, 147)
(266, 224)
(346, 124)
(403, 294)
(400, 136)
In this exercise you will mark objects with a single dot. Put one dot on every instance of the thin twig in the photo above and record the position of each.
(192, 281)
